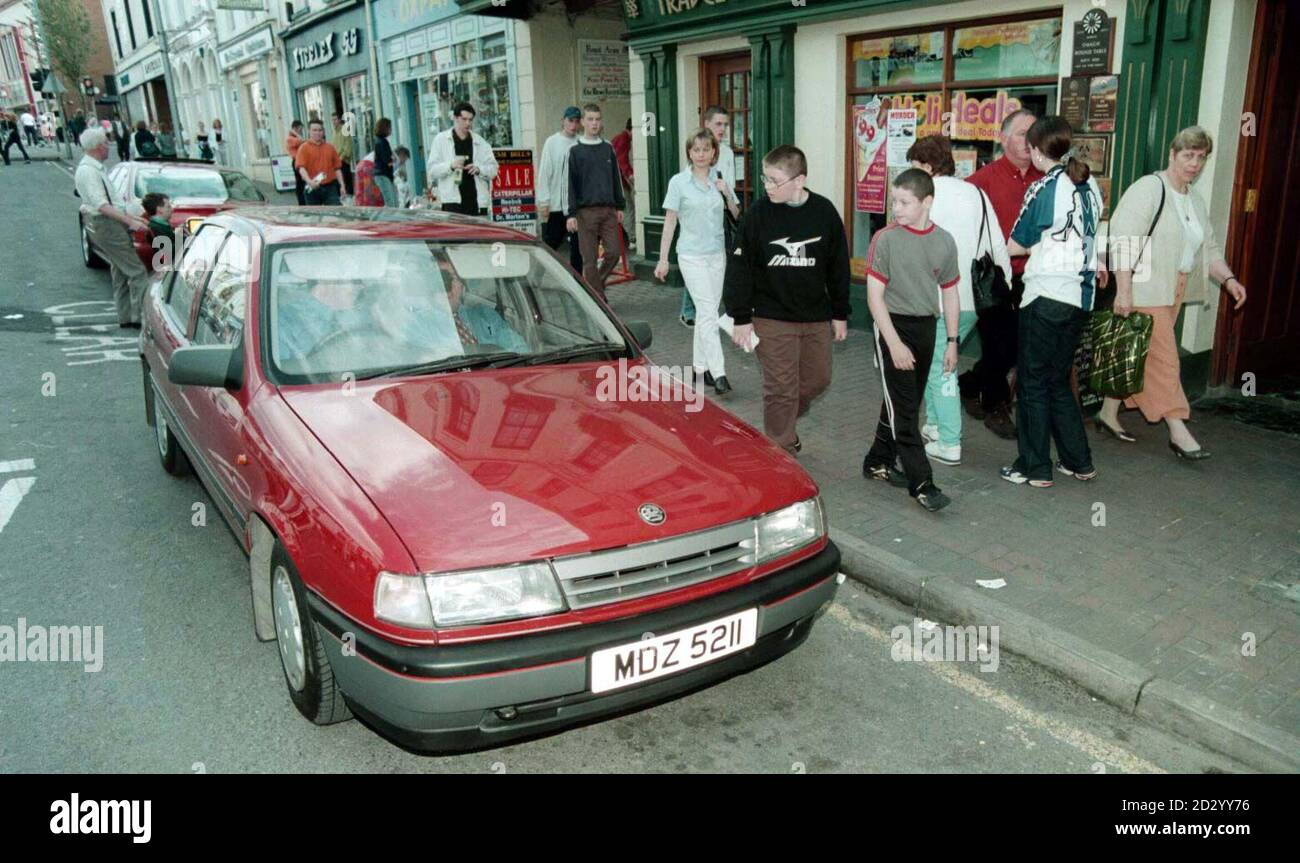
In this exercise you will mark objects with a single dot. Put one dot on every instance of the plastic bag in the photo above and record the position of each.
(1119, 353)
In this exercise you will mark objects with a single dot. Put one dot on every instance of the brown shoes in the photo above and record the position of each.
(1000, 423)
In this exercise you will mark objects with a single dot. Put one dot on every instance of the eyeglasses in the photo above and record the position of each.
(773, 184)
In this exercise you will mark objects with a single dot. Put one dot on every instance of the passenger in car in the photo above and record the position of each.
(478, 323)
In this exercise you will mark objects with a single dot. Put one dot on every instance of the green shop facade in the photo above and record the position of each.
(795, 71)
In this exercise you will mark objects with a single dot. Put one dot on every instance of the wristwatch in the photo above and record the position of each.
(952, 340)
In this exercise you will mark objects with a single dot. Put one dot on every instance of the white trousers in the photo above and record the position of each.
(704, 275)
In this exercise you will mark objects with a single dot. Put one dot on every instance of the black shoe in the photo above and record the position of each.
(885, 473)
(973, 406)
(686, 322)
(1189, 454)
(720, 385)
(930, 497)
(1000, 423)
(708, 379)
(1116, 433)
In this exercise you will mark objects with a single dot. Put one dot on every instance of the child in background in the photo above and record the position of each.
(158, 209)
(905, 261)
(399, 177)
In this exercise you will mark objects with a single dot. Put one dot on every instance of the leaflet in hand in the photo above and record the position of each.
(728, 325)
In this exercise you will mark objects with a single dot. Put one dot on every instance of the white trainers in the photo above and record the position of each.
(950, 455)
(929, 432)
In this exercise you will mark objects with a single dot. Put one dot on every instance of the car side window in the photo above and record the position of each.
(221, 311)
(193, 272)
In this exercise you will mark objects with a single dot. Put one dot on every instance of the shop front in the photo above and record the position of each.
(432, 57)
(251, 69)
(143, 89)
(327, 57)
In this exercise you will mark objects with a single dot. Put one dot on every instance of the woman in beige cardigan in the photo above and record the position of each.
(1157, 275)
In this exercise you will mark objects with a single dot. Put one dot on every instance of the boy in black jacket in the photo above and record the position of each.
(595, 200)
(788, 283)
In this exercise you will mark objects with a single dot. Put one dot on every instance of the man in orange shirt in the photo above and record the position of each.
(291, 145)
(319, 166)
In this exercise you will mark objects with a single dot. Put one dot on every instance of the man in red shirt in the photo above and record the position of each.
(984, 389)
(622, 145)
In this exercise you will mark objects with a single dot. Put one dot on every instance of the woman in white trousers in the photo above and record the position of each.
(694, 200)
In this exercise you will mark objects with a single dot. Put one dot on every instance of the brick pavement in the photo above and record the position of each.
(1188, 561)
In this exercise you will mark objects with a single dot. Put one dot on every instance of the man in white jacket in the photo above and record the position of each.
(462, 165)
(553, 186)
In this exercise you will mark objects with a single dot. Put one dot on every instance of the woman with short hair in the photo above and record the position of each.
(384, 162)
(964, 211)
(166, 141)
(1172, 248)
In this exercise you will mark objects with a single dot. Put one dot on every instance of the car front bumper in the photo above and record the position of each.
(451, 698)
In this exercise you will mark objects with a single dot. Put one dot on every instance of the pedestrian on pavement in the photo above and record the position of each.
(77, 125)
(218, 145)
(291, 143)
(964, 211)
(203, 142)
(367, 194)
(319, 167)
(9, 130)
(912, 276)
(158, 207)
(985, 390)
(595, 200)
(166, 141)
(29, 126)
(1057, 228)
(47, 131)
(794, 297)
(1174, 249)
(345, 146)
(694, 201)
(122, 135)
(553, 186)
(402, 156)
(622, 145)
(462, 165)
(716, 119)
(109, 227)
(146, 144)
(384, 162)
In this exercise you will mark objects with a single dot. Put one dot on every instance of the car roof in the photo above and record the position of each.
(278, 225)
(182, 163)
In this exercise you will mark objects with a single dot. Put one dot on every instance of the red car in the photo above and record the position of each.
(455, 529)
(197, 189)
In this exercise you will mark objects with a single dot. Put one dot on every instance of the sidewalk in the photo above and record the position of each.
(1145, 585)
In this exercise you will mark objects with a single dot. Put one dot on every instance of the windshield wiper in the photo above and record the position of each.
(461, 361)
(560, 354)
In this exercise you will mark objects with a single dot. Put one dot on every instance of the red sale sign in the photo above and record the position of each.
(514, 195)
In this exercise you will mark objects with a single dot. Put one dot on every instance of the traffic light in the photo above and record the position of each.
(38, 79)
(88, 85)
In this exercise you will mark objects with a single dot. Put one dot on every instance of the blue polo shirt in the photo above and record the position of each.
(699, 213)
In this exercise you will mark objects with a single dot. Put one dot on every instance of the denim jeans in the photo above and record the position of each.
(1046, 410)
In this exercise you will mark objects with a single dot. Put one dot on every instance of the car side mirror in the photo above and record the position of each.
(640, 331)
(207, 366)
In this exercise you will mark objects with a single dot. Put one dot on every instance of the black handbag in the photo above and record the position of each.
(730, 225)
(988, 282)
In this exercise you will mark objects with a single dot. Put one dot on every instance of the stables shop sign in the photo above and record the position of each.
(321, 51)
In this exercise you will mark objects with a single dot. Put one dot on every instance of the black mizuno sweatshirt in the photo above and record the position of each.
(790, 264)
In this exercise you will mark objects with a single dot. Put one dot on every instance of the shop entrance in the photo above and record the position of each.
(1263, 338)
(725, 81)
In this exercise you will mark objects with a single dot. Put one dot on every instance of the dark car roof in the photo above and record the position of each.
(297, 224)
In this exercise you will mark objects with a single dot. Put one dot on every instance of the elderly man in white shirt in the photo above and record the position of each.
(108, 228)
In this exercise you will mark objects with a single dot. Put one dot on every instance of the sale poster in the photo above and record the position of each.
(514, 196)
(869, 162)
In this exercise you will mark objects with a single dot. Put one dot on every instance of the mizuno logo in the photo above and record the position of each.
(787, 261)
(797, 256)
(795, 249)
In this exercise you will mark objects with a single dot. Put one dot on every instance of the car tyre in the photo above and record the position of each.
(89, 256)
(307, 671)
(173, 458)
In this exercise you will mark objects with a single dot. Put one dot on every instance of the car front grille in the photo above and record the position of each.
(655, 567)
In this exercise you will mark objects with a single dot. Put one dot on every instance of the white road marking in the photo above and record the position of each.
(1095, 748)
(17, 465)
(12, 494)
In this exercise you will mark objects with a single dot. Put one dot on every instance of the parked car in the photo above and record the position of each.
(197, 189)
(453, 531)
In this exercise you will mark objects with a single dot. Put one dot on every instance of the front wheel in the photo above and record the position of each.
(307, 671)
(170, 453)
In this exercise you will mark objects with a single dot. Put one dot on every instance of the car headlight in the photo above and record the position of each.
(402, 599)
(486, 595)
(192, 225)
(787, 529)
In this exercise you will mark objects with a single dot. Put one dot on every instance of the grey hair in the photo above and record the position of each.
(1011, 118)
(1193, 138)
(93, 137)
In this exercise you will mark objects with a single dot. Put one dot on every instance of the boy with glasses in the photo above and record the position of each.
(788, 283)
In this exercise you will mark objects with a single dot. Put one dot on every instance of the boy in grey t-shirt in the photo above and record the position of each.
(910, 264)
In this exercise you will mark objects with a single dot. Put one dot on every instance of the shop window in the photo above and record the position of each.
(1017, 49)
(891, 61)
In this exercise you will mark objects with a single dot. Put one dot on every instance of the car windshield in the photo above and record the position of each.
(365, 309)
(187, 182)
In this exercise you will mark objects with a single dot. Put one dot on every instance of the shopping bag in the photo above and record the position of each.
(1119, 353)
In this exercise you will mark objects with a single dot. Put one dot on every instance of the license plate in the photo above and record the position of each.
(628, 664)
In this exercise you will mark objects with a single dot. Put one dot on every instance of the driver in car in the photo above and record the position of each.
(308, 318)
(478, 323)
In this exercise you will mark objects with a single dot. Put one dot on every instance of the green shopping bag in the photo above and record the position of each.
(1119, 353)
